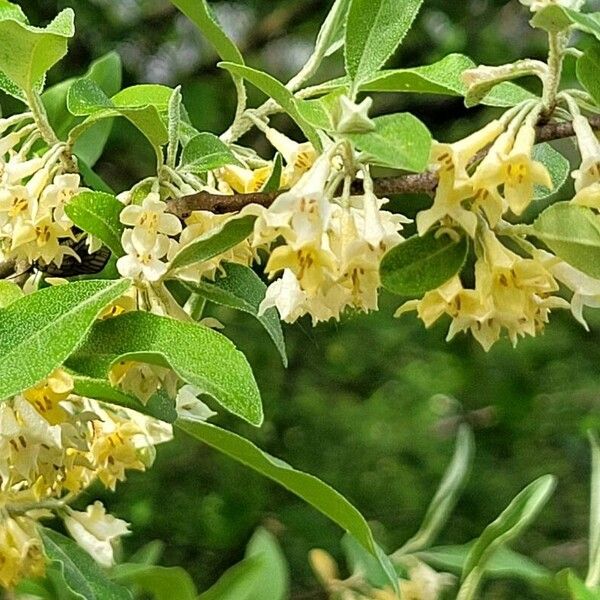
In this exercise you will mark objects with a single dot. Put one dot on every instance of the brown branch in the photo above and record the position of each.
(383, 186)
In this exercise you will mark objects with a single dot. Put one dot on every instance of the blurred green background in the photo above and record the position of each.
(360, 405)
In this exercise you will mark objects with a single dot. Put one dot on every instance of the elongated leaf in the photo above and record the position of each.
(97, 213)
(374, 30)
(442, 77)
(9, 10)
(273, 581)
(572, 233)
(423, 263)
(399, 141)
(446, 496)
(242, 289)
(199, 12)
(276, 90)
(80, 572)
(505, 563)
(238, 582)
(359, 560)
(39, 331)
(578, 590)
(307, 487)
(593, 574)
(331, 34)
(587, 70)
(214, 243)
(204, 152)
(519, 514)
(159, 406)
(196, 353)
(27, 52)
(163, 583)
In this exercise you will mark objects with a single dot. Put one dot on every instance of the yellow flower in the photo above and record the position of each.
(21, 553)
(588, 173)
(244, 181)
(299, 158)
(452, 160)
(522, 173)
(47, 395)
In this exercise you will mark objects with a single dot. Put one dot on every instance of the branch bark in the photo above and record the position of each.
(383, 186)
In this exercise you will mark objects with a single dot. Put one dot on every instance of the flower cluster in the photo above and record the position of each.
(55, 444)
(503, 180)
(330, 248)
(34, 189)
(512, 294)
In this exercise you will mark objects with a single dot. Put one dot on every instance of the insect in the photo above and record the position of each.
(88, 264)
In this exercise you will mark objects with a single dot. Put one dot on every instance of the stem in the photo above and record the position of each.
(556, 51)
(40, 117)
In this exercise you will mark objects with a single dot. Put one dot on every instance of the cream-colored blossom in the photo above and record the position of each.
(96, 532)
(143, 261)
(21, 550)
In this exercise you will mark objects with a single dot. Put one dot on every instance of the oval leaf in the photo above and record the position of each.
(97, 213)
(423, 263)
(204, 152)
(573, 234)
(399, 141)
(163, 583)
(196, 353)
(39, 331)
(242, 289)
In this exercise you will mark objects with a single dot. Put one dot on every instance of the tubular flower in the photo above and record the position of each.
(298, 158)
(330, 254)
(512, 294)
(53, 443)
(34, 190)
(243, 180)
(143, 261)
(588, 174)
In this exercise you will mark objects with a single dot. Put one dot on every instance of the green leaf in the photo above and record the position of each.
(276, 90)
(145, 106)
(163, 583)
(204, 152)
(148, 554)
(399, 141)
(97, 213)
(519, 514)
(576, 588)
(27, 52)
(573, 233)
(331, 34)
(213, 243)
(307, 487)
(80, 572)
(8, 10)
(446, 496)
(237, 583)
(174, 126)
(374, 30)
(556, 18)
(39, 331)
(442, 77)
(593, 575)
(274, 182)
(159, 406)
(273, 580)
(504, 564)
(587, 71)
(362, 562)
(242, 289)
(196, 353)
(200, 13)
(9, 292)
(558, 167)
(106, 73)
(423, 263)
